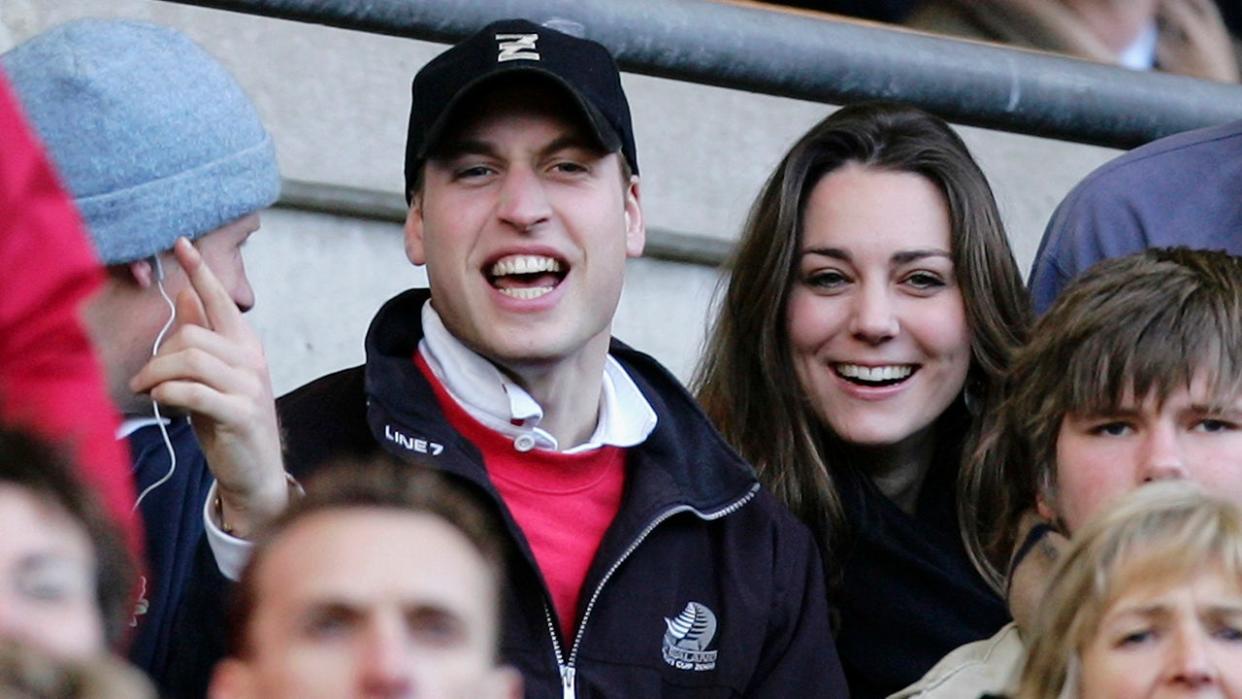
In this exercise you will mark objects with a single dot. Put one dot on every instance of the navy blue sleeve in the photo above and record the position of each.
(200, 637)
(799, 655)
(180, 618)
(1179, 190)
(1100, 219)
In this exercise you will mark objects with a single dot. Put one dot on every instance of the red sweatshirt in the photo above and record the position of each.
(564, 503)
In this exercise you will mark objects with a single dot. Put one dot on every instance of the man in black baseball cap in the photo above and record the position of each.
(646, 561)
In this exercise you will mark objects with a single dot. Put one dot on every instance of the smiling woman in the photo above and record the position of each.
(873, 300)
(877, 326)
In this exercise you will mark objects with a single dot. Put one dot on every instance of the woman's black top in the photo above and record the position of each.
(908, 593)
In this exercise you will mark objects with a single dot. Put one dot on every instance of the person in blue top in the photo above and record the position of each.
(1179, 190)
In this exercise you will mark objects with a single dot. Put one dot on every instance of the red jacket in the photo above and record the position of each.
(50, 379)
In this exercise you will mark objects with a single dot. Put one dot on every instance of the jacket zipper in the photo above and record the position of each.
(566, 666)
(566, 672)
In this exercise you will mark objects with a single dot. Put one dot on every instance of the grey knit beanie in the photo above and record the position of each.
(151, 135)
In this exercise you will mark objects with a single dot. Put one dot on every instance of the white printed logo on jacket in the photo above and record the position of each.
(687, 638)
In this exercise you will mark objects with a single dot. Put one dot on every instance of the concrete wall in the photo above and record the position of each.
(337, 103)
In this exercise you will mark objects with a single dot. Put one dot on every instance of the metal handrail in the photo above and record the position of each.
(818, 59)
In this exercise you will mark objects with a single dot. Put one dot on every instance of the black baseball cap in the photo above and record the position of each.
(510, 47)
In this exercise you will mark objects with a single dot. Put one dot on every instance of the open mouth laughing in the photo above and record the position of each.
(875, 376)
(526, 277)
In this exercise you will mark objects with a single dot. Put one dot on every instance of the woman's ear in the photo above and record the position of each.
(1045, 504)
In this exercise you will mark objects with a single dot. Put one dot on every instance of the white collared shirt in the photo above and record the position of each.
(499, 403)
(132, 424)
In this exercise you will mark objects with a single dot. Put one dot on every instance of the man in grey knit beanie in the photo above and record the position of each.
(157, 142)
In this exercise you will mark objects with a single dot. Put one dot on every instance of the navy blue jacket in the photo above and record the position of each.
(179, 623)
(704, 586)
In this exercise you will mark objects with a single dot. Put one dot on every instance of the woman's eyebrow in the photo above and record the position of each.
(1154, 610)
(899, 257)
(906, 256)
(835, 253)
(1230, 610)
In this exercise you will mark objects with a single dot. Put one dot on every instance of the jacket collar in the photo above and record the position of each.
(497, 401)
(683, 463)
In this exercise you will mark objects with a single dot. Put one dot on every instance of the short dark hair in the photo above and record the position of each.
(378, 482)
(39, 468)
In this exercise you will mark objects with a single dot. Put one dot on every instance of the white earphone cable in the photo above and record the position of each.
(155, 407)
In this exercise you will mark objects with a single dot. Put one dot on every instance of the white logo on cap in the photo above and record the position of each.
(517, 47)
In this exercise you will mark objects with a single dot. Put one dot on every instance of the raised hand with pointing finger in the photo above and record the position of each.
(213, 367)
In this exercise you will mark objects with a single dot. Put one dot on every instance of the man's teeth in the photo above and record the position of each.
(524, 264)
(525, 293)
(875, 373)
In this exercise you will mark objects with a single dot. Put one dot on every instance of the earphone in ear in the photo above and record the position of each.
(158, 268)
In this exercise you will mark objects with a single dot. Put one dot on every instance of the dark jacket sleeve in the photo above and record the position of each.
(799, 655)
(200, 634)
(324, 420)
